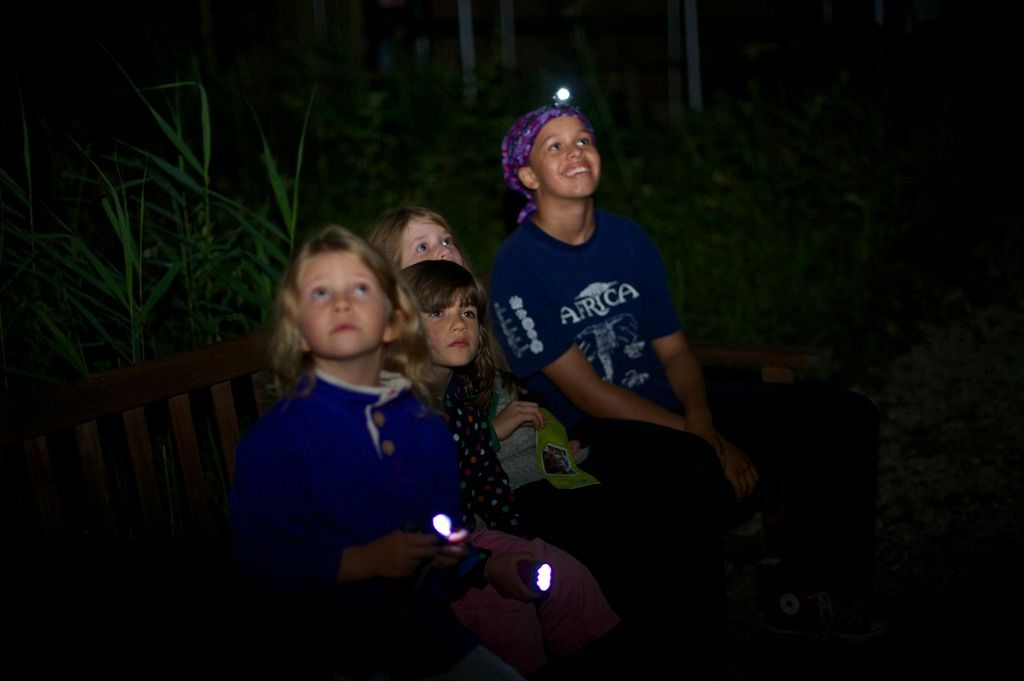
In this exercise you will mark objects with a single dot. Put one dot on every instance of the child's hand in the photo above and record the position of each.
(739, 470)
(737, 466)
(399, 553)
(515, 414)
(574, 449)
(502, 573)
(452, 551)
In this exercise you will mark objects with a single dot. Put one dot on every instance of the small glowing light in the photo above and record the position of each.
(544, 577)
(535, 575)
(562, 97)
(443, 524)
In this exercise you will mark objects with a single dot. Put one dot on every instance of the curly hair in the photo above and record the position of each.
(293, 370)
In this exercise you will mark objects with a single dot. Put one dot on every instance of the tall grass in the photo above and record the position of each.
(142, 256)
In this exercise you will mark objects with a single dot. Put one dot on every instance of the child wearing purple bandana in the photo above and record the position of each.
(584, 314)
(518, 145)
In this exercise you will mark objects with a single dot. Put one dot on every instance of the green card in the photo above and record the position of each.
(554, 458)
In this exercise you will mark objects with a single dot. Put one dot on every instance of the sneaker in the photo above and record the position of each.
(817, 614)
(796, 613)
(854, 620)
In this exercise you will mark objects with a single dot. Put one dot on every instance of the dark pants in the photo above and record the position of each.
(651, 531)
(819, 445)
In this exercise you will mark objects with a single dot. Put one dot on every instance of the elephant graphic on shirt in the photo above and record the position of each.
(600, 342)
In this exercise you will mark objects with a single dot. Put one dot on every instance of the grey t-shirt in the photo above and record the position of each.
(518, 452)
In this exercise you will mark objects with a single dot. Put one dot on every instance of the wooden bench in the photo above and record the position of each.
(776, 364)
(113, 505)
(146, 453)
(113, 509)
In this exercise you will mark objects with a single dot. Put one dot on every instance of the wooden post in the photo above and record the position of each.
(508, 34)
(467, 50)
(675, 60)
(319, 19)
(693, 56)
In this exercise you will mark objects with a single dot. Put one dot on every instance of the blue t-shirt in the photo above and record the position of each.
(609, 296)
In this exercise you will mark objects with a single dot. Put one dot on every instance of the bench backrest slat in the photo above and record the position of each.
(261, 390)
(44, 486)
(144, 468)
(191, 467)
(94, 469)
(227, 424)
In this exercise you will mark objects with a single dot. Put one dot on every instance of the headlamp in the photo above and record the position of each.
(562, 98)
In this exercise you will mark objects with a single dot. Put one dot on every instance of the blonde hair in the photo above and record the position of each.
(293, 370)
(386, 235)
(387, 231)
(440, 284)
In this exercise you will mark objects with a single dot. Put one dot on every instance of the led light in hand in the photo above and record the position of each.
(443, 524)
(535, 575)
(544, 577)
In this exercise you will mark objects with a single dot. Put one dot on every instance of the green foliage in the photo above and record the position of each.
(140, 257)
(781, 220)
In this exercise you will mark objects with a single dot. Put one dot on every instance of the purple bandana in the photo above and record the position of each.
(518, 142)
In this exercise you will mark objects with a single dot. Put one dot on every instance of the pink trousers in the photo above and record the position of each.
(573, 613)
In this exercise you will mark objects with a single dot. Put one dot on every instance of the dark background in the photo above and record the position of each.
(57, 65)
(57, 56)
